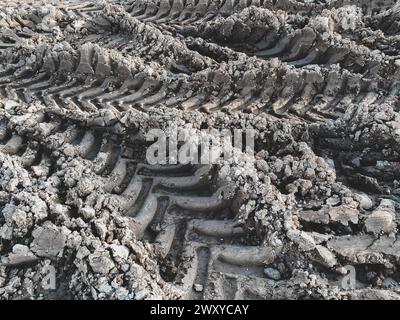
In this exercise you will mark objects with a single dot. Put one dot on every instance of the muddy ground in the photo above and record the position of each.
(84, 216)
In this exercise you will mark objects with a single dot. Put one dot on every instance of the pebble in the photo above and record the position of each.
(198, 287)
(88, 213)
(119, 252)
(272, 273)
(101, 262)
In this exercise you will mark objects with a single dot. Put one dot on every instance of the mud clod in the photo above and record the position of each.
(82, 84)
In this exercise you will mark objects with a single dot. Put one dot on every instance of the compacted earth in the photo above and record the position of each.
(313, 213)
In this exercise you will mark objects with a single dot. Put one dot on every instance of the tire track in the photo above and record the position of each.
(176, 207)
(103, 81)
(98, 62)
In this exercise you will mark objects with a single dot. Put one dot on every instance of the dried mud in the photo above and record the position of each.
(81, 83)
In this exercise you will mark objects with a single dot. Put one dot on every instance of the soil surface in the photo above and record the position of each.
(313, 215)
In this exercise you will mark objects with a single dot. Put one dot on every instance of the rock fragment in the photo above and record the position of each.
(21, 255)
(381, 220)
(272, 273)
(48, 241)
(100, 262)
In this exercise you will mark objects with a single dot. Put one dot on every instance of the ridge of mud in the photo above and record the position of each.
(81, 83)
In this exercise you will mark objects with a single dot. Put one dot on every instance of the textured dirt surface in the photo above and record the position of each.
(81, 83)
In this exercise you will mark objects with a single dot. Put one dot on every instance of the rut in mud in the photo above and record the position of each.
(81, 83)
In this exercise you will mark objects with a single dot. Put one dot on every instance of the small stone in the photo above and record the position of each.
(87, 213)
(60, 211)
(344, 214)
(122, 294)
(82, 253)
(364, 200)
(101, 262)
(119, 252)
(302, 239)
(382, 218)
(80, 223)
(125, 267)
(104, 287)
(198, 287)
(15, 216)
(69, 151)
(48, 241)
(341, 270)
(74, 240)
(332, 201)
(101, 229)
(21, 249)
(272, 273)
(324, 256)
(141, 294)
